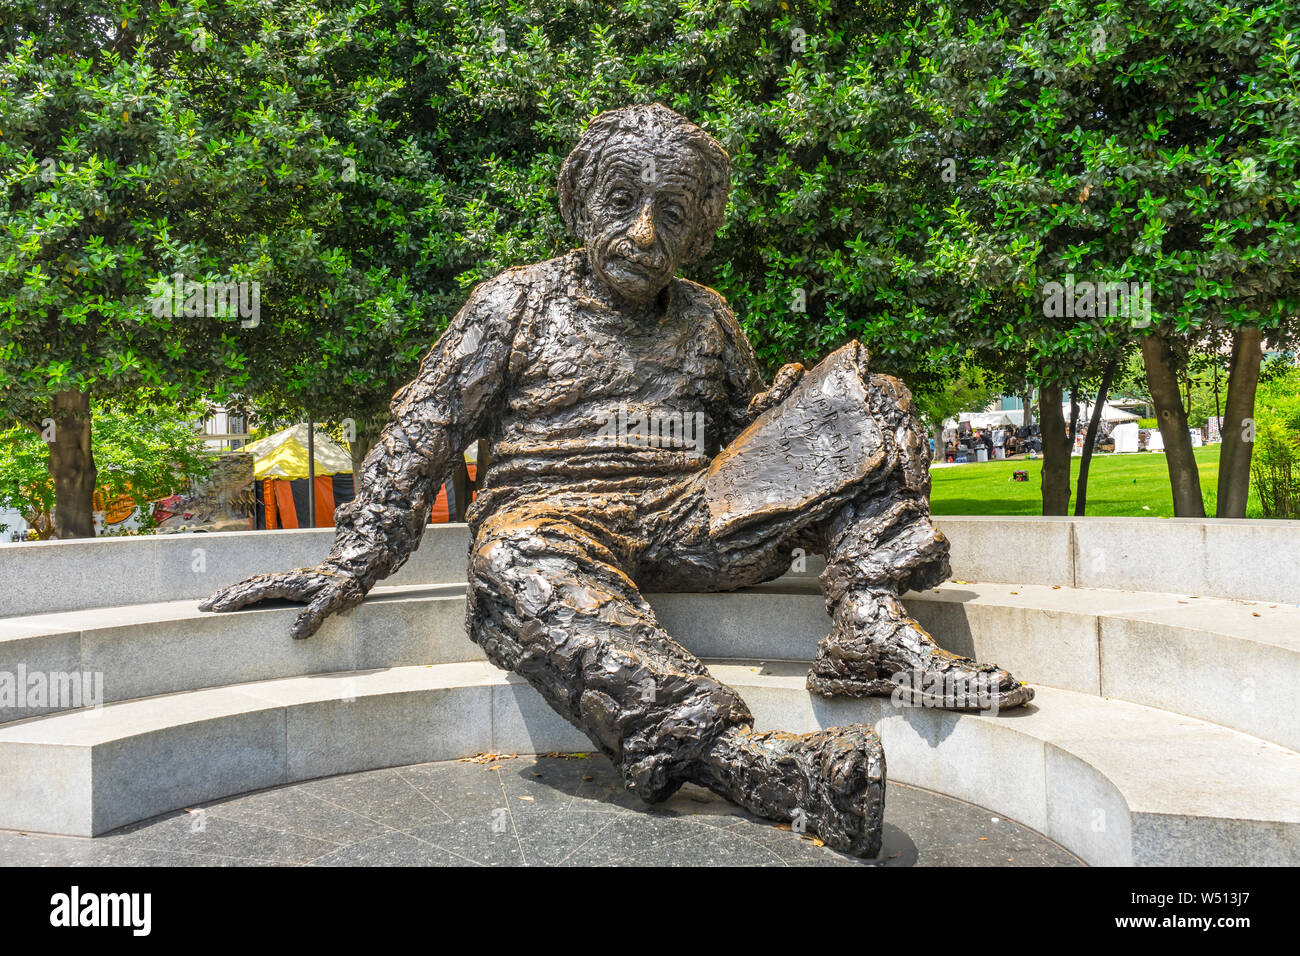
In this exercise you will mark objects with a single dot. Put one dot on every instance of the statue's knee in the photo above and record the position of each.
(490, 558)
(504, 540)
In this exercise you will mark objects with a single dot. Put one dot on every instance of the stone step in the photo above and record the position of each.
(1226, 662)
(1114, 782)
(1212, 557)
(141, 650)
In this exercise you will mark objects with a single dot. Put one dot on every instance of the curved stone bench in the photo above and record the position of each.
(1230, 663)
(1113, 782)
(1224, 558)
(1162, 732)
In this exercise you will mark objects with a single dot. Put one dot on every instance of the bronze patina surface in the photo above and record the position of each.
(634, 446)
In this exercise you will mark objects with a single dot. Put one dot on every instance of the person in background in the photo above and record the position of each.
(999, 441)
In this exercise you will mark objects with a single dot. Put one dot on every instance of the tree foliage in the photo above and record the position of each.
(146, 447)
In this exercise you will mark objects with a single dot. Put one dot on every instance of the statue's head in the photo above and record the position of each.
(645, 190)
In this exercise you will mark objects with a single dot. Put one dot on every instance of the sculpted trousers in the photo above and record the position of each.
(555, 574)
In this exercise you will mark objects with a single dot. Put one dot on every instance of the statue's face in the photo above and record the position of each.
(642, 213)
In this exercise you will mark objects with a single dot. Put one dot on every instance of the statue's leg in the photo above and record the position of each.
(549, 601)
(841, 466)
(878, 546)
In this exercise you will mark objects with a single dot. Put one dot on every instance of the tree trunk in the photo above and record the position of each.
(1218, 411)
(937, 454)
(1238, 428)
(1056, 453)
(459, 491)
(1074, 418)
(1090, 439)
(72, 466)
(1162, 379)
(1028, 404)
(463, 488)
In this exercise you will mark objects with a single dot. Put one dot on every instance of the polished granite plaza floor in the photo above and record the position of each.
(520, 810)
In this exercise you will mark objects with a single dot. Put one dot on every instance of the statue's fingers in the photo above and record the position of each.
(262, 587)
(786, 379)
(790, 374)
(234, 596)
(785, 382)
(210, 602)
(334, 597)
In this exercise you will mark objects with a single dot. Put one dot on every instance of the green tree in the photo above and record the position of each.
(144, 446)
(1141, 142)
(143, 141)
(455, 181)
(969, 388)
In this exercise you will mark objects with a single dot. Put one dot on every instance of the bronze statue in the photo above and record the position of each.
(634, 447)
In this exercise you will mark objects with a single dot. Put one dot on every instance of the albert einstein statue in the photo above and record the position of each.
(721, 480)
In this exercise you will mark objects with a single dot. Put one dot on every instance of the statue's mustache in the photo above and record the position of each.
(624, 248)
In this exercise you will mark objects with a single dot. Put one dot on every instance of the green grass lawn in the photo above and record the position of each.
(1134, 485)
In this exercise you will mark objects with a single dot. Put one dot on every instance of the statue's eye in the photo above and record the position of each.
(620, 200)
(674, 213)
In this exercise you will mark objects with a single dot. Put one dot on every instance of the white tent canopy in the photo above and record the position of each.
(1014, 416)
(1009, 416)
(1109, 413)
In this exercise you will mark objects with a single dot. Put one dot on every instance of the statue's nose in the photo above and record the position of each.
(643, 230)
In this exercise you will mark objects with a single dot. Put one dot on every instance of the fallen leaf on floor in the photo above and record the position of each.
(983, 839)
(488, 758)
(588, 778)
(1255, 614)
(784, 826)
(895, 856)
(529, 799)
(1056, 587)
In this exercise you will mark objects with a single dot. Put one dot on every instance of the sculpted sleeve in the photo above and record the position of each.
(434, 418)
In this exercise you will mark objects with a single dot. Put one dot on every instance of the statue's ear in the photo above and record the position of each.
(575, 194)
(701, 243)
(579, 221)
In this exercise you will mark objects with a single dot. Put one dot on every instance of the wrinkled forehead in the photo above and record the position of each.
(671, 164)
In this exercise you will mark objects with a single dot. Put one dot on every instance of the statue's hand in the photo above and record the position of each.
(782, 385)
(324, 590)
